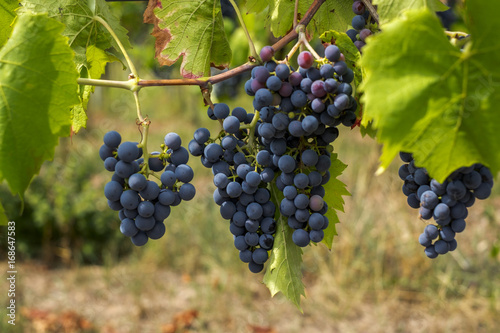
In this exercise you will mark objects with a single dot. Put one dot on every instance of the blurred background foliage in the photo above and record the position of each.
(376, 259)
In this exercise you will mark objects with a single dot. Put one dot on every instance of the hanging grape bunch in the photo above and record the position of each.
(143, 205)
(285, 143)
(446, 203)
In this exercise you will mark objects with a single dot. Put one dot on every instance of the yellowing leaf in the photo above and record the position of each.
(193, 30)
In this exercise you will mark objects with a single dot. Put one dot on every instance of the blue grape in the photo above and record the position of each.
(231, 124)
(112, 139)
(144, 223)
(299, 99)
(187, 192)
(140, 239)
(113, 191)
(151, 191)
(173, 141)
(358, 22)
(146, 208)
(128, 228)
(274, 83)
(157, 231)
(300, 237)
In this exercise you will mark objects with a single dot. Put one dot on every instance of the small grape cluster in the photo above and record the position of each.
(446, 202)
(142, 204)
(241, 184)
(360, 25)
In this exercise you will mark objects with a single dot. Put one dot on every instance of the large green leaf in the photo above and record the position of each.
(80, 26)
(334, 190)
(427, 97)
(388, 10)
(284, 271)
(37, 89)
(193, 30)
(332, 15)
(7, 16)
(87, 37)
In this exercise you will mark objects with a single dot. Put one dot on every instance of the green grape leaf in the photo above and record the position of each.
(193, 30)
(37, 89)
(334, 190)
(284, 272)
(427, 97)
(80, 26)
(7, 16)
(388, 10)
(332, 15)
(348, 48)
(97, 60)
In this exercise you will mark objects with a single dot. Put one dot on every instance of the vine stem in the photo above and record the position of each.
(372, 10)
(253, 51)
(120, 45)
(129, 85)
(204, 81)
(138, 107)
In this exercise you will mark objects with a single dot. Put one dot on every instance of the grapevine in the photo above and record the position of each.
(275, 173)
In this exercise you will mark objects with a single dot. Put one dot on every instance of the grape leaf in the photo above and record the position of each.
(334, 190)
(87, 37)
(80, 26)
(388, 10)
(37, 89)
(284, 272)
(7, 16)
(332, 15)
(427, 97)
(348, 48)
(97, 60)
(193, 30)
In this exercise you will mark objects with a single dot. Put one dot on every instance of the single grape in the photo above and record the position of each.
(332, 53)
(112, 139)
(305, 59)
(266, 53)
(358, 22)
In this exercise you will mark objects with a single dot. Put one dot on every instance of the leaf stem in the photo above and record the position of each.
(253, 51)
(295, 14)
(120, 45)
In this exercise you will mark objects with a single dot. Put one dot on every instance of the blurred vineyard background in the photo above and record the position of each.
(77, 273)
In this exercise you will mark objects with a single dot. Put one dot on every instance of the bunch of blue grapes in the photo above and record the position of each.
(446, 203)
(361, 25)
(299, 113)
(241, 184)
(143, 205)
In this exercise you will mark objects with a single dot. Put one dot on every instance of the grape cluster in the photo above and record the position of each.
(241, 184)
(143, 205)
(446, 203)
(299, 113)
(360, 25)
